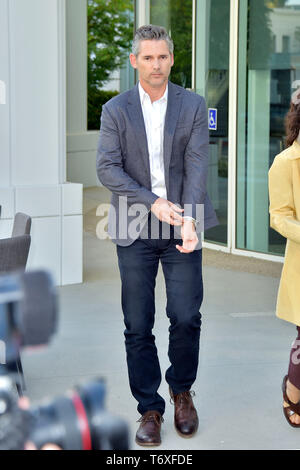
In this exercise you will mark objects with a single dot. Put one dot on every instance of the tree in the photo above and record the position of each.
(176, 17)
(110, 33)
(260, 46)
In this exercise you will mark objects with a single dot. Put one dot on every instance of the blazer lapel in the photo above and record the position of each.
(137, 120)
(172, 114)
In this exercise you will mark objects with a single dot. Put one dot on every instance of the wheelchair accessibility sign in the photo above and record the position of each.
(212, 119)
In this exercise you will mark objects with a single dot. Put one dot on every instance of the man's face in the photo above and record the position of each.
(153, 62)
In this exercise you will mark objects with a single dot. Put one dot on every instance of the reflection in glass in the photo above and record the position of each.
(177, 17)
(212, 81)
(110, 32)
(269, 64)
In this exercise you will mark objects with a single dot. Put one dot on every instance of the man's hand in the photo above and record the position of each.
(167, 212)
(189, 237)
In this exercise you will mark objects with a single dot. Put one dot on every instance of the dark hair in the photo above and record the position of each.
(292, 121)
(151, 31)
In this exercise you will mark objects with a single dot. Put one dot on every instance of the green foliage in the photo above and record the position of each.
(260, 37)
(219, 35)
(97, 99)
(176, 17)
(110, 32)
(223, 167)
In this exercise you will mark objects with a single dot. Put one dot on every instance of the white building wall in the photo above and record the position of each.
(81, 143)
(33, 136)
(285, 23)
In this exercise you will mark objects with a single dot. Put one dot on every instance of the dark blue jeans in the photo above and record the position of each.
(138, 264)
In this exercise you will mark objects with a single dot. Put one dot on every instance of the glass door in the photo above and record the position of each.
(212, 81)
(269, 66)
(177, 17)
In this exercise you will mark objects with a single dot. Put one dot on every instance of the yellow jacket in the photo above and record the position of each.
(284, 191)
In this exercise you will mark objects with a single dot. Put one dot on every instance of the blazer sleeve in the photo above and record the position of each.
(282, 208)
(196, 163)
(110, 169)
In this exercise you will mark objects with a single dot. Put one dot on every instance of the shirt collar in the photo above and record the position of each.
(144, 95)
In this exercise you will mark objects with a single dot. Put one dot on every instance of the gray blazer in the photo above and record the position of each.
(123, 161)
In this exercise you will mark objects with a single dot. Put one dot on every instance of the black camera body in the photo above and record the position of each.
(28, 316)
(76, 421)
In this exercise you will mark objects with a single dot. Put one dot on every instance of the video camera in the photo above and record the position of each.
(75, 421)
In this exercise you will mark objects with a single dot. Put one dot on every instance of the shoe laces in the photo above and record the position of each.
(183, 397)
(151, 417)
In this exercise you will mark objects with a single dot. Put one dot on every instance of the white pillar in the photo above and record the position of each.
(33, 136)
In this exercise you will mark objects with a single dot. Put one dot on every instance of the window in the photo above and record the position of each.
(266, 77)
(177, 17)
(212, 81)
(286, 44)
(110, 33)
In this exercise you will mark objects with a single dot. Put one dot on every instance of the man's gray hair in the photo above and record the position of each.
(151, 32)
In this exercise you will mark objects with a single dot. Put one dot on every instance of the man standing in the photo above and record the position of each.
(153, 153)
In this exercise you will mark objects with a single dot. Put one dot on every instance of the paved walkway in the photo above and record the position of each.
(244, 349)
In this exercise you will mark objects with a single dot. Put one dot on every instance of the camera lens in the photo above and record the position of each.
(77, 421)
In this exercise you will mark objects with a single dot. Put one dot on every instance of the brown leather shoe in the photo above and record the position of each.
(185, 414)
(148, 433)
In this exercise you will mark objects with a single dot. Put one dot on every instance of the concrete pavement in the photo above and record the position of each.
(244, 349)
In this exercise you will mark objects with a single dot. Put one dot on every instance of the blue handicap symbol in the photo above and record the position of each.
(212, 121)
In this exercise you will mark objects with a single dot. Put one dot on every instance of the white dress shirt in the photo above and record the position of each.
(154, 118)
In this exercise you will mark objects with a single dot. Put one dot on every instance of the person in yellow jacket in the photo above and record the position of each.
(284, 192)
